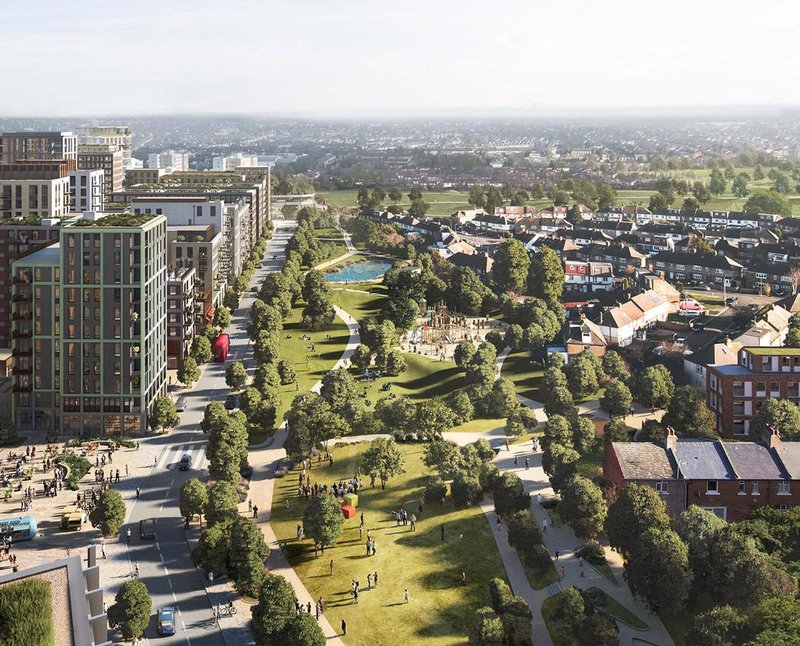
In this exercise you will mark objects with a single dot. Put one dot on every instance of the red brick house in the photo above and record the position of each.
(730, 479)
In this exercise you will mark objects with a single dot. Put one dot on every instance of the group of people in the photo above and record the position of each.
(403, 517)
(355, 586)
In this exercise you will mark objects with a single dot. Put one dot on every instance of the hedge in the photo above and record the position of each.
(26, 614)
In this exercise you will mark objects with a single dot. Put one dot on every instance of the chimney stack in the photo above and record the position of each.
(671, 439)
(774, 437)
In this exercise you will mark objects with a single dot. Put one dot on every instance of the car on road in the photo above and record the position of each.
(731, 300)
(180, 404)
(186, 462)
(231, 402)
(147, 529)
(166, 621)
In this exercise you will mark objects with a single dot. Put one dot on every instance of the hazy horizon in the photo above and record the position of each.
(360, 59)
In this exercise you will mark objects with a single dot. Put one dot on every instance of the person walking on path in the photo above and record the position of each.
(126, 470)
(563, 573)
(499, 523)
(138, 491)
(344, 627)
(155, 462)
(527, 463)
(557, 555)
(369, 547)
(544, 527)
(128, 535)
(374, 548)
(516, 462)
(507, 447)
(255, 511)
(405, 595)
(369, 581)
(375, 578)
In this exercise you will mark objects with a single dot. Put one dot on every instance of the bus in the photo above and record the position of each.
(21, 528)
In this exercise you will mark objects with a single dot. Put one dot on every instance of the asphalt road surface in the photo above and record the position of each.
(164, 564)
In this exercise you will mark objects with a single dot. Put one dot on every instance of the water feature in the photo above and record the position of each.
(365, 270)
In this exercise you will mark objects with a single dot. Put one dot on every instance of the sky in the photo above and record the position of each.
(389, 57)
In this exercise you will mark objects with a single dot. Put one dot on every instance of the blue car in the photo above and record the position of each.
(166, 621)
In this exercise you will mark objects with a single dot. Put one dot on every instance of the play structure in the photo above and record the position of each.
(442, 326)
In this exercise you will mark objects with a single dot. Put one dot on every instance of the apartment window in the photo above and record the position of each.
(738, 427)
(755, 488)
(712, 487)
(742, 492)
(661, 486)
(783, 488)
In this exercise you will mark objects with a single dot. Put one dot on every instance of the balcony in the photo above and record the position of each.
(22, 388)
(25, 316)
(19, 370)
(22, 352)
(21, 334)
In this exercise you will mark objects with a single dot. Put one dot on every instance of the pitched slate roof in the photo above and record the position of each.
(789, 455)
(752, 461)
(643, 460)
(702, 460)
(716, 261)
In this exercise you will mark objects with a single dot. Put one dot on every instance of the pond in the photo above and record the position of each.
(359, 271)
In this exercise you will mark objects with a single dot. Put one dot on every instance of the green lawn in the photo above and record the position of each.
(605, 602)
(310, 365)
(591, 464)
(711, 302)
(329, 233)
(604, 569)
(524, 373)
(360, 301)
(539, 583)
(441, 610)
(333, 249)
(480, 425)
(677, 625)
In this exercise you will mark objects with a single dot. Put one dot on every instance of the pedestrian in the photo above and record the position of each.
(583, 574)
(255, 511)
(355, 595)
(369, 534)
(362, 519)
(557, 555)
(499, 523)
(580, 561)
(563, 573)
(128, 535)
(463, 578)
(344, 627)
(527, 463)
(507, 447)
(117, 475)
(405, 595)
(369, 581)
(369, 547)
(103, 550)
(442, 532)
(317, 609)
(126, 470)
(308, 606)
(374, 548)
(249, 505)
(155, 462)
(138, 491)
(136, 569)
(539, 499)
(544, 526)
(461, 537)
(331, 567)
(516, 462)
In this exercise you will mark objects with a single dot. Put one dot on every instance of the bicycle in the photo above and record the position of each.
(226, 610)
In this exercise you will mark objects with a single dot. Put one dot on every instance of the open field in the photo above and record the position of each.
(440, 610)
(526, 375)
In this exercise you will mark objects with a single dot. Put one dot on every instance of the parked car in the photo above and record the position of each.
(731, 301)
(180, 404)
(231, 401)
(166, 621)
(186, 462)
(147, 529)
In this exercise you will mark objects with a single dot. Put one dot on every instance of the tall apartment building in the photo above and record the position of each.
(26, 146)
(199, 247)
(18, 240)
(89, 327)
(86, 190)
(36, 189)
(232, 220)
(137, 176)
(119, 136)
(735, 391)
(169, 160)
(232, 162)
(180, 314)
(107, 158)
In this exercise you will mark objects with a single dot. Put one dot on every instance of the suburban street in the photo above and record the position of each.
(164, 564)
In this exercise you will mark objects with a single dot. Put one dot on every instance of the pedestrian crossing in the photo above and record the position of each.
(553, 589)
(171, 456)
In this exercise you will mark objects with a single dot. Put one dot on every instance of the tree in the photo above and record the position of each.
(287, 372)
(109, 514)
(781, 414)
(758, 172)
(340, 391)
(131, 609)
(781, 184)
(397, 415)
(720, 626)
(582, 377)
(361, 357)
(418, 208)
(583, 506)
(583, 434)
(193, 499)
(266, 347)
(698, 528)
(688, 414)
(504, 400)
(188, 372)
(488, 629)
(617, 399)
(701, 192)
(274, 612)
(248, 551)
(223, 503)
(739, 186)
(463, 352)
(716, 182)
(653, 386)
(466, 489)
(395, 195)
(769, 202)
(510, 495)
(523, 530)
(636, 508)
(477, 198)
(511, 264)
(444, 457)
(465, 292)
(658, 570)
(383, 460)
(614, 366)
(546, 276)
(235, 375)
(201, 349)
(776, 613)
(658, 202)
(616, 430)
(690, 205)
(304, 631)
(214, 417)
(460, 403)
(402, 311)
(163, 414)
(323, 520)
(482, 366)
(395, 363)
(222, 317)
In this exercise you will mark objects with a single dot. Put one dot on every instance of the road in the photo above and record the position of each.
(164, 564)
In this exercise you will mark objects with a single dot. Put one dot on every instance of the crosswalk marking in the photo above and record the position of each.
(553, 589)
(170, 457)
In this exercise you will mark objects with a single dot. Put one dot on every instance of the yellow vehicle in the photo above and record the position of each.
(72, 518)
